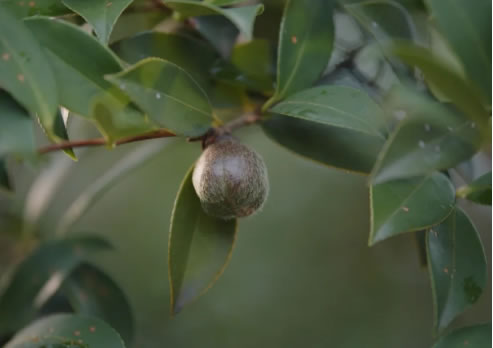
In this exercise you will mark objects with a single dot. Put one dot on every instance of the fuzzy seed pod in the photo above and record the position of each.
(230, 179)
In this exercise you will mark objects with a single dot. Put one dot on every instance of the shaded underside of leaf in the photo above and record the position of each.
(199, 249)
(411, 204)
(336, 147)
(457, 267)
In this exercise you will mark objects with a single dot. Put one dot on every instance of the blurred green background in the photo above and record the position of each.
(301, 273)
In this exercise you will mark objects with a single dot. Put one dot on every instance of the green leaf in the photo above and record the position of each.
(406, 205)
(457, 267)
(25, 71)
(92, 292)
(67, 330)
(61, 131)
(445, 79)
(168, 95)
(336, 106)
(242, 17)
(39, 276)
(194, 56)
(478, 191)
(4, 176)
(219, 31)
(16, 128)
(472, 336)
(101, 15)
(82, 76)
(25, 8)
(199, 249)
(131, 23)
(334, 146)
(305, 45)
(467, 27)
(223, 2)
(431, 136)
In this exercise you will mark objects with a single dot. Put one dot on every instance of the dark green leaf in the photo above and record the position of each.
(219, 31)
(82, 76)
(457, 267)
(92, 292)
(467, 27)
(25, 8)
(194, 56)
(129, 24)
(61, 132)
(406, 205)
(199, 247)
(445, 79)
(478, 191)
(168, 95)
(242, 17)
(336, 106)
(16, 128)
(67, 330)
(4, 176)
(305, 45)
(478, 336)
(337, 147)
(431, 136)
(25, 71)
(224, 2)
(101, 15)
(39, 276)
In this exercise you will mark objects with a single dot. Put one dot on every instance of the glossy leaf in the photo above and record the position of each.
(32, 8)
(194, 56)
(431, 136)
(101, 15)
(60, 131)
(82, 77)
(242, 17)
(406, 205)
(472, 336)
(446, 80)
(305, 45)
(5, 183)
(39, 276)
(168, 95)
(336, 106)
(16, 128)
(199, 249)
(92, 292)
(24, 70)
(336, 147)
(478, 191)
(67, 330)
(457, 267)
(467, 27)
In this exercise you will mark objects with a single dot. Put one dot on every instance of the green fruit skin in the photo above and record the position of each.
(230, 179)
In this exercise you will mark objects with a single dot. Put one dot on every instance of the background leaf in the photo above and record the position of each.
(242, 17)
(467, 27)
(457, 267)
(305, 45)
(101, 15)
(431, 136)
(39, 276)
(4, 176)
(445, 79)
(412, 204)
(82, 77)
(168, 95)
(472, 336)
(199, 249)
(478, 191)
(92, 292)
(336, 147)
(31, 8)
(67, 330)
(336, 106)
(24, 70)
(16, 128)
(60, 131)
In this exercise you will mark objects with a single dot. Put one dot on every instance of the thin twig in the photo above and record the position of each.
(239, 122)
